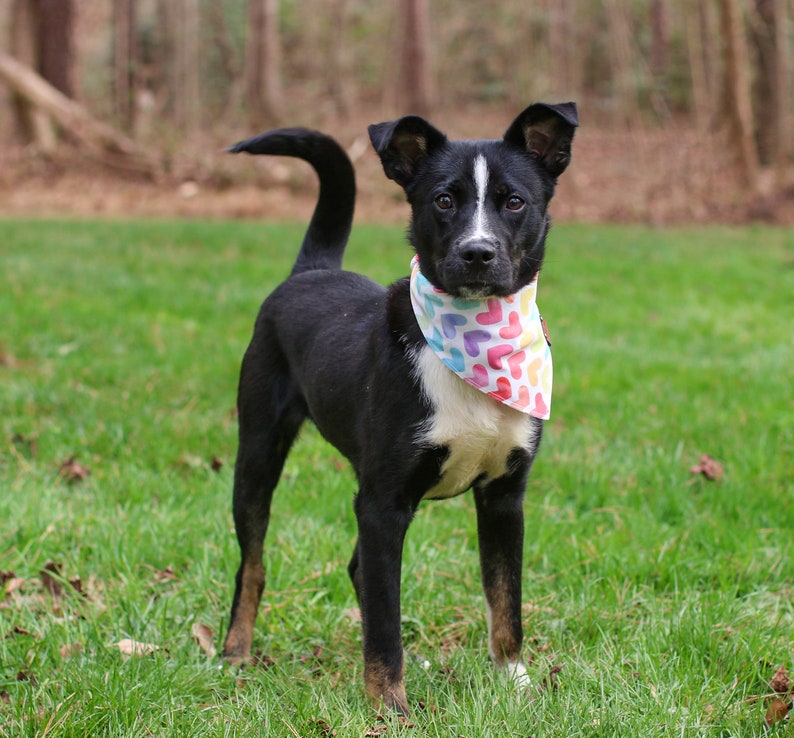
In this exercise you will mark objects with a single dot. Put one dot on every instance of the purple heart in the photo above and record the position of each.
(449, 323)
(472, 341)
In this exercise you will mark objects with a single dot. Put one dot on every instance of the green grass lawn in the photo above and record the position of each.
(661, 602)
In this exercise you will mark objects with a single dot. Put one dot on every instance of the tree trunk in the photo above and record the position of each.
(339, 65)
(42, 38)
(659, 55)
(124, 62)
(771, 98)
(560, 35)
(738, 106)
(622, 59)
(187, 88)
(263, 64)
(416, 81)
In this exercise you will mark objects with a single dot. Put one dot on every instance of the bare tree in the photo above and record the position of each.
(771, 82)
(125, 58)
(738, 106)
(416, 80)
(42, 37)
(659, 12)
(264, 92)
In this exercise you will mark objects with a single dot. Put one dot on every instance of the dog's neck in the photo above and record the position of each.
(497, 344)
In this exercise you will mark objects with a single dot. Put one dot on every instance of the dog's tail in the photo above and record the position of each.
(325, 240)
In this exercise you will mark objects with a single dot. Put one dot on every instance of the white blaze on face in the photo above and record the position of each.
(479, 226)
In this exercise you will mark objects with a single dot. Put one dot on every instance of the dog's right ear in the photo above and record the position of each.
(402, 143)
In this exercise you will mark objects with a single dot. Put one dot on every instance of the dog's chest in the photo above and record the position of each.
(479, 432)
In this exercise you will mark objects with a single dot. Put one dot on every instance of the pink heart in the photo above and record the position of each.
(492, 315)
(514, 329)
(514, 362)
(523, 398)
(480, 378)
(495, 354)
(541, 410)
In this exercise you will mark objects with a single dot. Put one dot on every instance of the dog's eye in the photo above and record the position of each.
(444, 201)
(514, 203)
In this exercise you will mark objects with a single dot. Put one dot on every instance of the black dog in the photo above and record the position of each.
(349, 354)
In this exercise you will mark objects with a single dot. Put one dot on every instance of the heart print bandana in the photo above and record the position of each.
(496, 344)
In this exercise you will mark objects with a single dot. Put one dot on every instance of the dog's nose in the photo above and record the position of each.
(477, 253)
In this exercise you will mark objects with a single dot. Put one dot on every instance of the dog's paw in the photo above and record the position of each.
(518, 674)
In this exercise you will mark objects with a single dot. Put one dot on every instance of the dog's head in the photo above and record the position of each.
(479, 208)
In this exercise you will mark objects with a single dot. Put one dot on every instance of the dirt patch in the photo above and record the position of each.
(659, 177)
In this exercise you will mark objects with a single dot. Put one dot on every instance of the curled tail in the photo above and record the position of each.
(325, 240)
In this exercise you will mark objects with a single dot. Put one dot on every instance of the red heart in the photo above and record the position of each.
(503, 389)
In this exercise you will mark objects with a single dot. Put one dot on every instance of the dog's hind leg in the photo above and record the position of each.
(500, 528)
(271, 413)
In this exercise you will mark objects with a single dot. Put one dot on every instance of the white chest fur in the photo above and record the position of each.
(479, 431)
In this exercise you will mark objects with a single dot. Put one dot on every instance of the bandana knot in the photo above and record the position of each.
(497, 344)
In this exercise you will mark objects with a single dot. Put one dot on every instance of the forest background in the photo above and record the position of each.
(124, 106)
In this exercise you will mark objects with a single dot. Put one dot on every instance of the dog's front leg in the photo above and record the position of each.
(376, 574)
(500, 528)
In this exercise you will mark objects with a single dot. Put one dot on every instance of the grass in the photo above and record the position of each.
(667, 599)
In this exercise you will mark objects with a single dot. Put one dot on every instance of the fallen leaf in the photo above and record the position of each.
(5, 697)
(70, 649)
(202, 635)
(780, 683)
(18, 630)
(324, 727)
(6, 576)
(550, 682)
(71, 471)
(216, 464)
(130, 647)
(709, 468)
(50, 575)
(30, 443)
(165, 575)
(777, 711)
(262, 660)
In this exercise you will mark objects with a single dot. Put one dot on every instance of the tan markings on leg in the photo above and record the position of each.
(503, 645)
(385, 692)
(237, 646)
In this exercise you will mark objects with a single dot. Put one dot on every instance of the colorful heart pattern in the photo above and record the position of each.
(497, 345)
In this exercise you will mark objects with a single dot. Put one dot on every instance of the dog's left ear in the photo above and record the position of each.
(402, 143)
(546, 132)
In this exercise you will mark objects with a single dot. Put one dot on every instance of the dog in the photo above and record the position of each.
(365, 363)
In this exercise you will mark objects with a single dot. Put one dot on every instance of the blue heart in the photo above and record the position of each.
(455, 360)
(435, 341)
(430, 306)
(449, 321)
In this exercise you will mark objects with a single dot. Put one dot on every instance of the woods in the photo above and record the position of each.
(148, 67)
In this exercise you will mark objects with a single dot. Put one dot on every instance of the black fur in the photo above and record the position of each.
(341, 350)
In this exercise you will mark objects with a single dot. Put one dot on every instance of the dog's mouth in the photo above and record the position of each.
(462, 283)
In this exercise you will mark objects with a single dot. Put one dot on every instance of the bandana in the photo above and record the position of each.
(497, 344)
